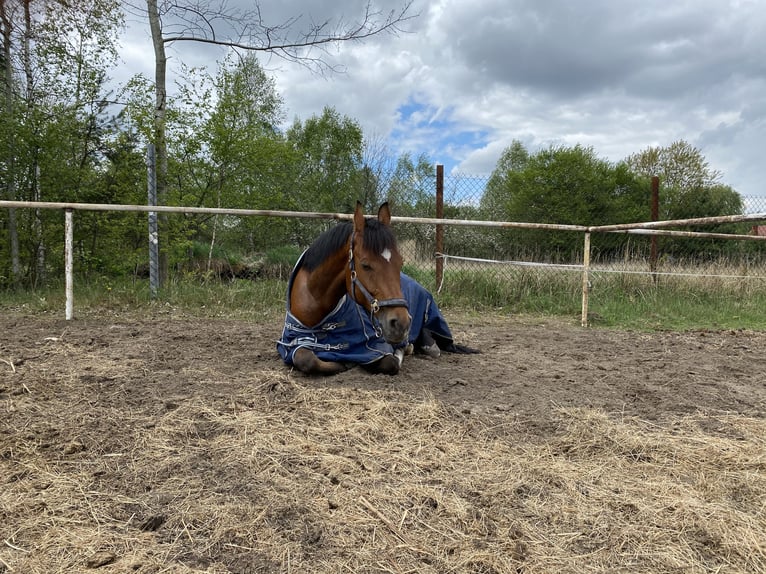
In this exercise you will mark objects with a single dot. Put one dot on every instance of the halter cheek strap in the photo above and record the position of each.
(375, 305)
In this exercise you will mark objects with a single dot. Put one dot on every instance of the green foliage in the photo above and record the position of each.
(328, 151)
(573, 186)
(689, 188)
(410, 190)
(513, 160)
(54, 131)
(558, 185)
(679, 166)
(284, 255)
(564, 185)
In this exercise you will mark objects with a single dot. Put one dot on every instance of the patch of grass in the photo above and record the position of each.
(240, 299)
(616, 300)
(677, 301)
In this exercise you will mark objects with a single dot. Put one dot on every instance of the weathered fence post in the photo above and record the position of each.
(439, 226)
(585, 279)
(68, 264)
(154, 244)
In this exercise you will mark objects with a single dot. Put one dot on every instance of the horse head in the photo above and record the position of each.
(373, 277)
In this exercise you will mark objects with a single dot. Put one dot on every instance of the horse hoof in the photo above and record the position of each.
(388, 365)
(432, 351)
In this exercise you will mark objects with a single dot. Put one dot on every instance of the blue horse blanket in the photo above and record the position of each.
(347, 334)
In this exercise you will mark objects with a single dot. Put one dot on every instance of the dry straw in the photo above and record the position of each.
(279, 476)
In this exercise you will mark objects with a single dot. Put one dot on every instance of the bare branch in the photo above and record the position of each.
(221, 26)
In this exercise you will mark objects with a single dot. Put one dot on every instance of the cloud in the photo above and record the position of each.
(470, 76)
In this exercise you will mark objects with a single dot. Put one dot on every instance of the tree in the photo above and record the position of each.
(8, 135)
(680, 166)
(410, 191)
(411, 188)
(378, 166)
(686, 179)
(241, 129)
(217, 24)
(56, 55)
(251, 163)
(689, 188)
(329, 154)
(513, 160)
(561, 185)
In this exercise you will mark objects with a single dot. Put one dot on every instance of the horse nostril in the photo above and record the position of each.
(397, 325)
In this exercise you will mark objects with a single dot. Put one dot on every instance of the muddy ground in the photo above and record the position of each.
(84, 392)
(526, 368)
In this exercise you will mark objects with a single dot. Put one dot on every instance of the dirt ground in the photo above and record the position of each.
(526, 366)
(81, 403)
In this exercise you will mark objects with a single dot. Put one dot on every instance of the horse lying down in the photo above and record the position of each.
(349, 335)
(348, 303)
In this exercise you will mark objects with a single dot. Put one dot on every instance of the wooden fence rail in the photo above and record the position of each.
(644, 228)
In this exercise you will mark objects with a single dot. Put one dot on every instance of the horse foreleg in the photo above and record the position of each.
(305, 360)
(387, 365)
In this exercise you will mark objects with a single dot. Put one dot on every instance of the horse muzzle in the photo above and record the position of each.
(395, 324)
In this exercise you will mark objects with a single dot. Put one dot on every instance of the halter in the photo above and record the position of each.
(375, 305)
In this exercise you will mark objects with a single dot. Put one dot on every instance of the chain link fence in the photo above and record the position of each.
(510, 267)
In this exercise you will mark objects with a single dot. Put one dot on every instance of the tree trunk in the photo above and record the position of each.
(34, 168)
(10, 184)
(160, 143)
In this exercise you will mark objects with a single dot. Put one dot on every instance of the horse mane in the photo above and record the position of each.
(377, 238)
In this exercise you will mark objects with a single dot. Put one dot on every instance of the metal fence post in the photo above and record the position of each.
(154, 244)
(439, 226)
(585, 279)
(68, 264)
(655, 215)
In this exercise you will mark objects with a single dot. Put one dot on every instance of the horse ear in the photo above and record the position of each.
(359, 217)
(384, 214)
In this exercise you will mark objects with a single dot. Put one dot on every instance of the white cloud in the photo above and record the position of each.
(617, 76)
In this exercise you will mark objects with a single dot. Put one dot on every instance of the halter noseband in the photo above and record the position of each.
(375, 305)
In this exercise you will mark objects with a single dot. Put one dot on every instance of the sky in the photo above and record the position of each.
(468, 77)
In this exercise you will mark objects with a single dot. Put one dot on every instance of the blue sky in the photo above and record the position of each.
(420, 128)
(467, 77)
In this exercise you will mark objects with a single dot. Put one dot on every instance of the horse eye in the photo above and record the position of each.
(366, 266)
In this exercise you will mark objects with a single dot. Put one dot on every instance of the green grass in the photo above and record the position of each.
(239, 299)
(616, 300)
(678, 303)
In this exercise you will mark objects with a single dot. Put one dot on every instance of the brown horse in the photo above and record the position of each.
(351, 262)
